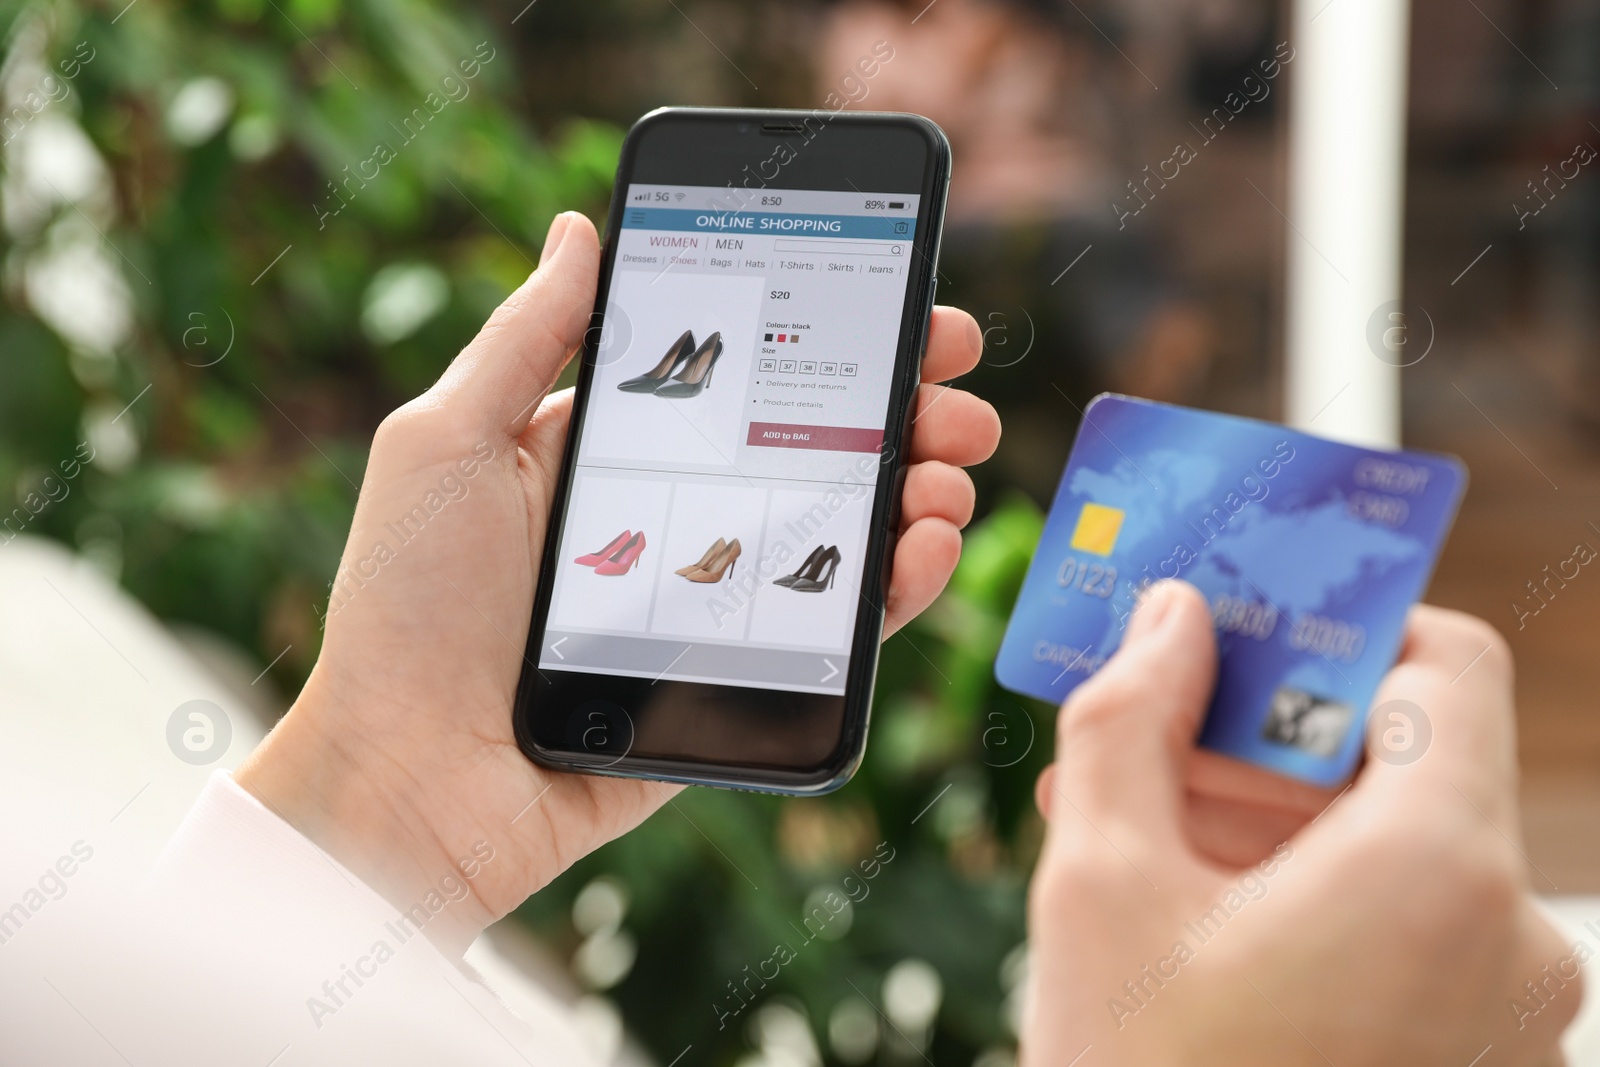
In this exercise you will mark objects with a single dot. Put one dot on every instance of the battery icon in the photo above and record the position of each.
(895, 205)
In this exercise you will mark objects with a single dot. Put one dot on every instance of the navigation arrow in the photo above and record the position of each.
(832, 670)
(556, 648)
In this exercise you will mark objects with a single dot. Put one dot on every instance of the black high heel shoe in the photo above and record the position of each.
(680, 351)
(696, 374)
(789, 579)
(819, 575)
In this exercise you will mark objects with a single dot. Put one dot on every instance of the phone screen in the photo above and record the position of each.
(711, 593)
(727, 462)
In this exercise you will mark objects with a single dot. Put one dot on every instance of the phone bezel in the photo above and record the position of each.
(823, 165)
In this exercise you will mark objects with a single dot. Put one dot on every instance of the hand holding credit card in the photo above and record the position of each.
(1309, 551)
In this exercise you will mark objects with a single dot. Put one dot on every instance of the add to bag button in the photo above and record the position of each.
(825, 438)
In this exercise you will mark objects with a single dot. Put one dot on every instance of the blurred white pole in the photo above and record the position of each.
(1346, 182)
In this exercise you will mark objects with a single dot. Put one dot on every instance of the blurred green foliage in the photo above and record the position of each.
(223, 494)
(224, 343)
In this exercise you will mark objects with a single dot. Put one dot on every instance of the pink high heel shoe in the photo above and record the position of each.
(625, 558)
(592, 559)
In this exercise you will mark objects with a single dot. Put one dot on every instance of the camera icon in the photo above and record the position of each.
(199, 732)
(601, 729)
(1008, 736)
(1406, 733)
(1400, 334)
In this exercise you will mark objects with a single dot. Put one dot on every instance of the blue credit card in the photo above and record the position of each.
(1309, 551)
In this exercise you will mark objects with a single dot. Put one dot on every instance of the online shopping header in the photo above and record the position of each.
(860, 227)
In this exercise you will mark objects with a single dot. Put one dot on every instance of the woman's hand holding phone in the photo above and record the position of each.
(398, 756)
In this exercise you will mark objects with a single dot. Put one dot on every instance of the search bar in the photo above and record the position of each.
(839, 248)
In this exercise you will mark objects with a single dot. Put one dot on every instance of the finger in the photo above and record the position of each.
(544, 439)
(500, 376)
(1123, 736)
(1220, 777)
(954, 345)
(1451, 691)
(953, 426)
(1235, 834)
(1043, 788)
(937, 490)
(924, 558)
(1237, 813)
(1215, 775)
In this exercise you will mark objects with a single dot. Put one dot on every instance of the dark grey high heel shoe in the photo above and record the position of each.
(696, 374)
(680, 351)
(819, 575)
(803, 569)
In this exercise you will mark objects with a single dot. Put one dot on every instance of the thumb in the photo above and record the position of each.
(1122, 737)
(1443, 726)
(499, 378)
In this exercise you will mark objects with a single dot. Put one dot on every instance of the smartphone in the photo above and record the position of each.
(710, 599)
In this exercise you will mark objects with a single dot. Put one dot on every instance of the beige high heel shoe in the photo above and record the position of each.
(720, 567)
(711, 554)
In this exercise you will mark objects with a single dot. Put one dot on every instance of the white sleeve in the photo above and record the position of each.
(248, 944)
